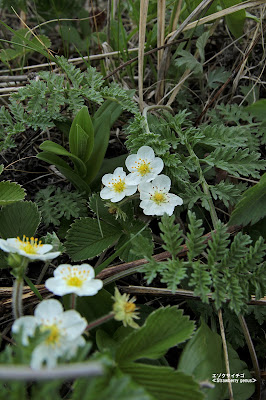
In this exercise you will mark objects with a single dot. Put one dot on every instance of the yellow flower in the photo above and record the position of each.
(125, 309)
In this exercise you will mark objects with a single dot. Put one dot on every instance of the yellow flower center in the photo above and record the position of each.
(74, 276)
(54, 336)
(158, 198)
(30, 246)
(74, 281)
(119, 186)
(129, 307)
(144, 168)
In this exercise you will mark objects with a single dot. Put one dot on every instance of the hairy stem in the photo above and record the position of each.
(17, 297)
(100, 321)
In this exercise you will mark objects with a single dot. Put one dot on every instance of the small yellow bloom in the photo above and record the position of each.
(125, 309)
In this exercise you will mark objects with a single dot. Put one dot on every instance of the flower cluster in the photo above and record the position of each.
(144, 170)
(64, 330)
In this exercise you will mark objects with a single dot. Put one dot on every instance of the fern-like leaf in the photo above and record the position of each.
(195, 242)
(174, 271)
(171, 234)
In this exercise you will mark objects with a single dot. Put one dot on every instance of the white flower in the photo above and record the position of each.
(65, 333)
(144, 166)
(78, 279)
(29, 248)
(116, 187)
(155, 197)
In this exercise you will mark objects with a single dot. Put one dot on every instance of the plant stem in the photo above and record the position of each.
(100, 321)
(226, 359)
(17, 297)
(205, 186)
(73, 301)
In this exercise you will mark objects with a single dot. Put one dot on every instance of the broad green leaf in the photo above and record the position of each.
(54, 148)
(258, 109)
(251, 208)
(94, 307)
(164, 383)
(108, 107)
(10, 192)
(18, 219)
(203, 356)
(66, 170)
(236, 20)
(81, 135)
(106, 388)
(101, 141)
(164, 328)
(88, 237)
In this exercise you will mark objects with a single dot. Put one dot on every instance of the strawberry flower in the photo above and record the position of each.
(116, 187)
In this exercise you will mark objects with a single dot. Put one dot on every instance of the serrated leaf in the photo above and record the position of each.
(201, 43)
(1, 168)
(203, 356)
(164, 383)
(251, 208)
(18, 219)
(164, 328)
(88, 237)
(219, 75)
(189, 61)
(10, 192)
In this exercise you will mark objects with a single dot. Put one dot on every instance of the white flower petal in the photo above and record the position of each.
(133, 179)
(73, 324)
(146, 152)
(129, 190)
(174, 199)
(106, 179)
(61, 269)
(28, 325)
(90, 288)
(119, 172)
(157, 165)
(117, 197)
(130, 162)
(44, 248)
(48, 310)
(106, 193)
(162, 182)
(43, 354)
(58, 286)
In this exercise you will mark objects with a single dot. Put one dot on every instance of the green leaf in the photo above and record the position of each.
(102, 134)
(164, 383)
(18, 219)
(109, 107)
(258, 109)
(164, 328)
(66, 170)
(106, 388)
(189, 61)
(236, 20)
(10, 192)
(81, 135)
(94, 307)
(1, 168)
(203, 356)
(251, 208)
(54, 148)
(88, 237)
(201, 43)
